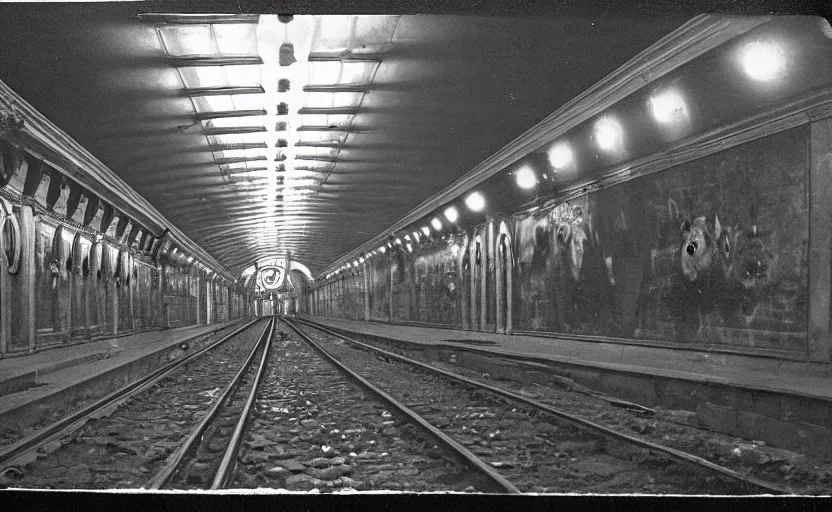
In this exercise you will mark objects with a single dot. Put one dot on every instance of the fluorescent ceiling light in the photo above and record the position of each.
(197, 76)
(332, 33)
(356, 72)
(187, 40)
(236, 39)
(325, 72)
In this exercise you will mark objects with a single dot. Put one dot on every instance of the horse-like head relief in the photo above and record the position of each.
(698, 247)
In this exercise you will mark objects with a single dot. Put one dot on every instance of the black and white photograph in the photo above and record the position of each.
(367, 249)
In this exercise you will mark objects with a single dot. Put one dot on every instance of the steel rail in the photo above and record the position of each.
(572, 419)
(412, 416)
(10, 454)
(229, 459)
(162, 477)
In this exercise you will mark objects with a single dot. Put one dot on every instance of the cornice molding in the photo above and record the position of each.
(797, 113)
(45, 140)
(696, 37)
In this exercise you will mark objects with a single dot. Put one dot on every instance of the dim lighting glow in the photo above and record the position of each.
(452, 214)
(436, 223)
(426, 230)
(608, 134)
(763, 61)
(525, 178)
(668, 106)
(475, 202)
(560, 156)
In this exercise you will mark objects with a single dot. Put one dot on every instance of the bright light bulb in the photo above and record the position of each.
(560, 156)
(452, 214)
(608, 133)
(526, 178)
(436, 223)
(763, 61)
(382, 249)
(416, 236)
(475, 202)
(668, 106)
(399, 241)
(426, 230)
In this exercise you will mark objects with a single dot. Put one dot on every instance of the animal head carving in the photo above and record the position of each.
(698, 247)
(751, 263)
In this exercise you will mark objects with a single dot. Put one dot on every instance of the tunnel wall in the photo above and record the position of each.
(692, 210)
(624, 273)
(73, 282)
(628, 272)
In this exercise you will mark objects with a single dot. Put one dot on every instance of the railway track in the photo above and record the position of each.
(533, 455)
(315, 428)
(206, 459)
(286, 418)
(121, 437)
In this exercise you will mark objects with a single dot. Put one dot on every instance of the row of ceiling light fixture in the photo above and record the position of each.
(761, 61)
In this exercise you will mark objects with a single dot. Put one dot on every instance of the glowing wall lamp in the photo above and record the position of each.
(426, 230)
(452, 214)
(561, 156)
(475, 202)
(436, 223)
(763, 61)
(668, 106)
(525, 178)
(608, 134)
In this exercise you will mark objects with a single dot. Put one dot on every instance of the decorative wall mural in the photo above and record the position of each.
(711, 251)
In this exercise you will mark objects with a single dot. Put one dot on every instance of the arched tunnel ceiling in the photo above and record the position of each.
(449, 91)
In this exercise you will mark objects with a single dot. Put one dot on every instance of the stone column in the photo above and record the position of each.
(27, 269)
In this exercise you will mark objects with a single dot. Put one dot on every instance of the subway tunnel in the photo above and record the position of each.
(624, 215)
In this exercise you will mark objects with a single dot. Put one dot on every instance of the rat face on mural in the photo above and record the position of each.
(748, 267)
(698, 251)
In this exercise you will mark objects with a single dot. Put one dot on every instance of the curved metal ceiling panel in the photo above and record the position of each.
(385, 110)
